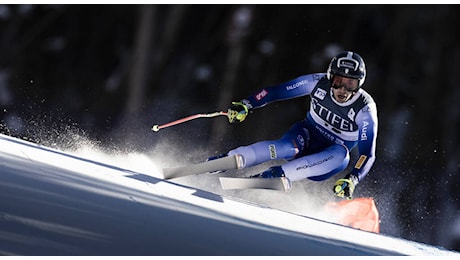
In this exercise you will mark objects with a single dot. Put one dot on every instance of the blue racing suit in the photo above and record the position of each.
(318, 146)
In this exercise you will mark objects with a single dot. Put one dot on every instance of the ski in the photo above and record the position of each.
(221, 164)
(281, 183)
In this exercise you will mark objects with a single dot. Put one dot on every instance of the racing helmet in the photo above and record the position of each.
(348, 64)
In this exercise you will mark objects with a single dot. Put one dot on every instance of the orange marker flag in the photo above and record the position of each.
(359, 213)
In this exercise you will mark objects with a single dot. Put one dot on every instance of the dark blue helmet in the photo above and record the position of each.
(348, 64)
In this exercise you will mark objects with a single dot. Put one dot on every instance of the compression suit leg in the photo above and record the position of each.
(318, 166)
(288, 147)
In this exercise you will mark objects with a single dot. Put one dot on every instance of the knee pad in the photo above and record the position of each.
(299, 136)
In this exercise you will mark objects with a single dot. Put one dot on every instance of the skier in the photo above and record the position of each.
(342, 116)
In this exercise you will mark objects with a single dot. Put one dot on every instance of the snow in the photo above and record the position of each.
(60, 203)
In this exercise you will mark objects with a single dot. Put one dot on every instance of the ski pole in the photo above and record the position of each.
(157, 128)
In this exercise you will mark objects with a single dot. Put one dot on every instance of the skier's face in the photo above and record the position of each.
(343, 88)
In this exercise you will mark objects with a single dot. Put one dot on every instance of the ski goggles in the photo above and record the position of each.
(348, 89)
(349, 84)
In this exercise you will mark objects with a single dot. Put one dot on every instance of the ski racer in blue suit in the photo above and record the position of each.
(342, 116)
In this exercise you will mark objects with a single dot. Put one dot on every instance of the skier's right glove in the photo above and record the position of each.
(344, 187)
(237, 112)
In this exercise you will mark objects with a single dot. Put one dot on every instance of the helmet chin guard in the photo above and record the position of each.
(348, 64)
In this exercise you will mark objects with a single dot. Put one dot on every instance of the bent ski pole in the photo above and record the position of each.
(157, 128)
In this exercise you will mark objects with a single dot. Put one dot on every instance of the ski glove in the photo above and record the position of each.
(344, 187)
(237, 112)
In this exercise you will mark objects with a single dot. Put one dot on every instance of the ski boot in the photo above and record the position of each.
(217, 156)
(272, 172)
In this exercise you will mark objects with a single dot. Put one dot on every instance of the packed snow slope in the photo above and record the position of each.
(59, 203)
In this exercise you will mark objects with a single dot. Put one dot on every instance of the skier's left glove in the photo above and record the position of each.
(237, 112)
(344, 187)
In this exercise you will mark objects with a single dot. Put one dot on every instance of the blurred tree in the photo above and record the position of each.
(237, 31)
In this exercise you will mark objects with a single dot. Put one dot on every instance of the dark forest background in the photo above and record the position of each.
(110, 72)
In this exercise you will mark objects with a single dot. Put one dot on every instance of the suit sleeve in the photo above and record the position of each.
(368, 127)
(297, 87)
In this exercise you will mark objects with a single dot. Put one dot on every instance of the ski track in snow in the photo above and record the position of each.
(127, 192)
